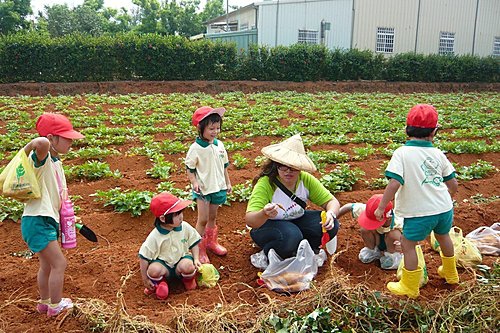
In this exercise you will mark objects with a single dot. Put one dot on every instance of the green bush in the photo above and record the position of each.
(78, 58)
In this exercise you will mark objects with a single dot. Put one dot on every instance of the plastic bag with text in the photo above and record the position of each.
(18, 180)
(292, 274)
(487, 239)
(466, 252)
(421, 263)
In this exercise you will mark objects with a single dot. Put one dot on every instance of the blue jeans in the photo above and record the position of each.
(284, 236)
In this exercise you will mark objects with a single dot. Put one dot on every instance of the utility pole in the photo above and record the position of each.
(227, 15)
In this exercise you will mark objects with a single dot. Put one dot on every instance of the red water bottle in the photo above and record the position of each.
(67, 221)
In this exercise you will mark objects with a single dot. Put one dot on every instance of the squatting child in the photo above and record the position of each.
(207, 163)
(40, 220)
(171, 248)
(382, 239)
(422, 181)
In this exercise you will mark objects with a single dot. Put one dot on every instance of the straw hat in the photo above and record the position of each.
(291, 153)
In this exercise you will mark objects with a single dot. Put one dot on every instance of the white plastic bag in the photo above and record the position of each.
(487, 239)
(292, 274)
(390, 260)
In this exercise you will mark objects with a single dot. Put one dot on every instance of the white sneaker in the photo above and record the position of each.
(64, 304)
(367, 255)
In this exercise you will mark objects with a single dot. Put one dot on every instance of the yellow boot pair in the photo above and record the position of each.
(448, 270)
(409, 285)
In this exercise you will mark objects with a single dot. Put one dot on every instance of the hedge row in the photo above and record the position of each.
(77, 58)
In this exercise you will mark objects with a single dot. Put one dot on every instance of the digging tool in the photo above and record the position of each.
(86, 232)
(326, 243)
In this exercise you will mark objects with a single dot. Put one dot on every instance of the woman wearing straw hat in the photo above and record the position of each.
(277, 219)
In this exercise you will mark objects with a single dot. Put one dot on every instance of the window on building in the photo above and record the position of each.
(446, 43)
(385, 40)
(496, 47)
(308, 36)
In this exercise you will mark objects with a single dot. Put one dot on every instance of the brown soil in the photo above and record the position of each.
(95, 270)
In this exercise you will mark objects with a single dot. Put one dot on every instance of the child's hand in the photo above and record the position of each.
(397, 246)
(148, 284)
(271, 209)
(196, 188)
(229, 188)
(379, 214)
(197, 263)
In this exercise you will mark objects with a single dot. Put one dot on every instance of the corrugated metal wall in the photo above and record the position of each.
(243, 39)
(429, 17)
(279, 21)
(398, 14)
(488, 26)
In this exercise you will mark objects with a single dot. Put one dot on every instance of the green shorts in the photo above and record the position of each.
(217, 198)
(418, 228)
(382, 246)
(171, 270)
(39, 231)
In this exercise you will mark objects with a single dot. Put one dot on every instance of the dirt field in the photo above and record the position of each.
(96, 270)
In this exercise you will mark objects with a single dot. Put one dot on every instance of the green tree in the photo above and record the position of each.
(59, 20)
(13, 15)
(149, 15)
(213, 9)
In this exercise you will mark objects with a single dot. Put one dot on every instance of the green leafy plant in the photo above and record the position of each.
(318, 321)
(161, 169)
(259, 160)
(342, 178)
(10, 209)
(477, 170)
(132, 201)
(170, 187)
(239, 161)
(361, 153)
(91, 170)
(241, 192)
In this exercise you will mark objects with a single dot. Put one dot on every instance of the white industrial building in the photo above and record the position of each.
(383, 26)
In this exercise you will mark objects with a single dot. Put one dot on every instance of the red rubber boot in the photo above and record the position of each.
(202, 246)
(212, 243)
(189, 281)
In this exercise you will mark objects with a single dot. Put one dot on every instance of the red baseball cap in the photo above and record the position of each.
(205, 111)
(367, 218)
(423, 116)
(166, 203)
(56, 124)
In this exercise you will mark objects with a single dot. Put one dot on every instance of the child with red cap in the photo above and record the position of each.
(378, 236)
(40, 220)
(171, 248)
(421, 181)
(206, 163)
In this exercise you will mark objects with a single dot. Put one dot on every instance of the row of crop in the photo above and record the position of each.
(78, 58)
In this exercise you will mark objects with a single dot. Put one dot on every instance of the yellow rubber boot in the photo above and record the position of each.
(448, 270)
(409, 285)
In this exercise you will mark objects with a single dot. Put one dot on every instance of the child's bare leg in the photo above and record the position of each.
(203, 208)
(390, 238)
(43, 279)
(52, 258)
(212, 215)
(157, 271)
(185, 267)
(446, 244)
(369, 238)
(410, 254)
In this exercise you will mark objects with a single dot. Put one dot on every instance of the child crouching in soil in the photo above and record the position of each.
(378, 236)
(171, 248)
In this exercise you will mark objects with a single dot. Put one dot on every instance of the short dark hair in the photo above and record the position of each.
(419, 132)
(210, 119)
(169, 218)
